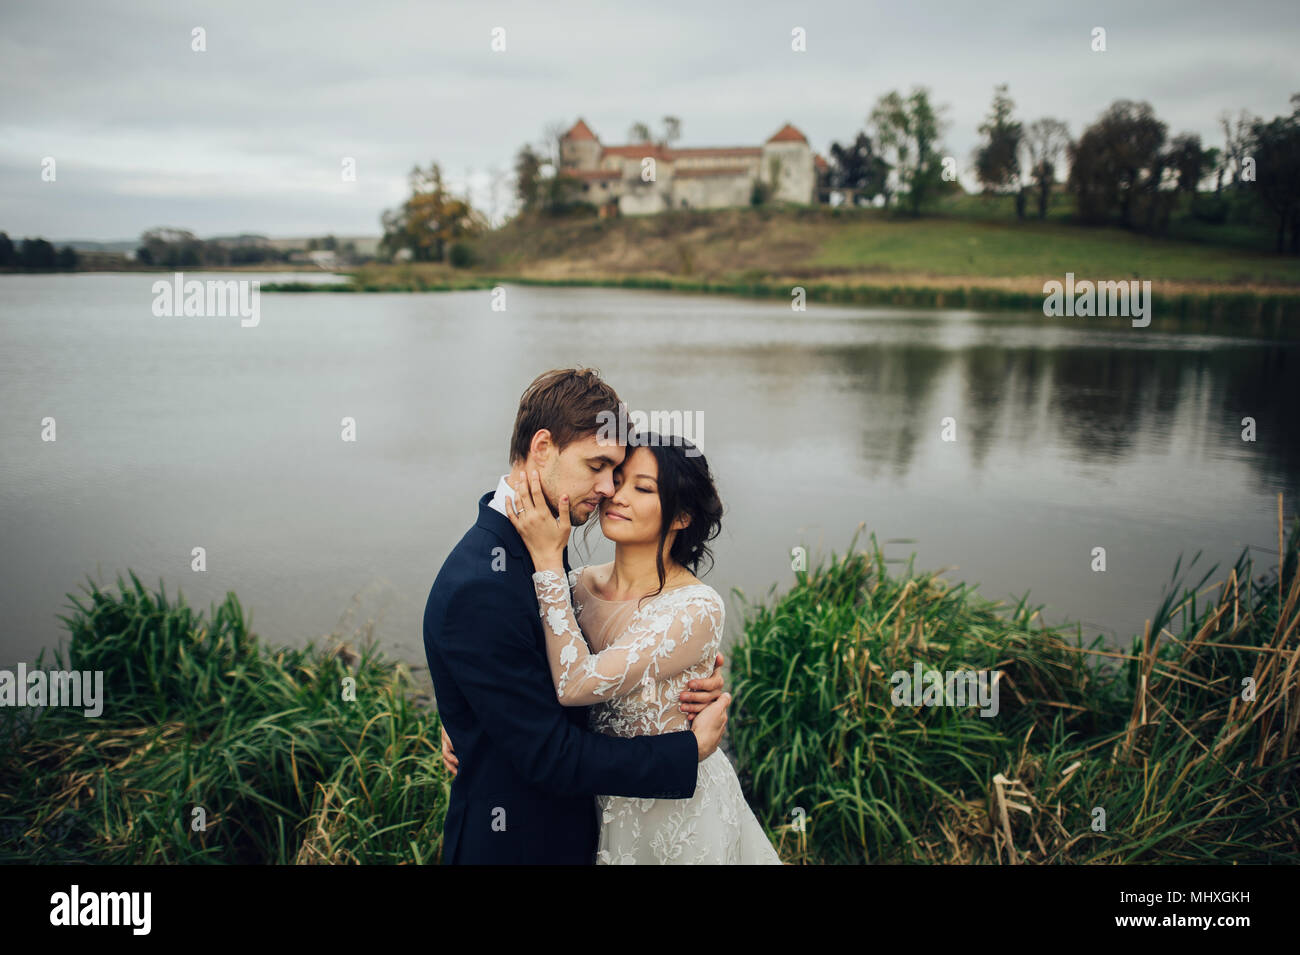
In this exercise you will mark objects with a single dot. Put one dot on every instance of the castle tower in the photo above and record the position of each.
(788, 152)
(579, 148)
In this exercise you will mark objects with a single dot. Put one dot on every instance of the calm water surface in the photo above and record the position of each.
(183, 432)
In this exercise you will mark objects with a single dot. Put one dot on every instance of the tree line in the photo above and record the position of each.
(180, 248)
(1124, 168)
(36, 254)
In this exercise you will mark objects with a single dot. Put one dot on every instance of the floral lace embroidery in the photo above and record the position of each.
(635, 684)
(668, 642)
(713, 827)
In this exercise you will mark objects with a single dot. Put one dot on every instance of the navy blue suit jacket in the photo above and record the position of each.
(529, 768)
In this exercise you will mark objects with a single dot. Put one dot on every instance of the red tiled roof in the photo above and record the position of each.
(638, 151)
(788, 134)
(712, 171)
(581, 130)
(719, 151)
(820, 162)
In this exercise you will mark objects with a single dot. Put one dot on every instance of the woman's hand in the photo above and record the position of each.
(448, 754)
(544, 536)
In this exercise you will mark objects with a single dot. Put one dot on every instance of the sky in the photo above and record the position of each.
(250, 134)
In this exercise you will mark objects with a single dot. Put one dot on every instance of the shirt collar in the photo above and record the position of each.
(503, 493)
(507, 533)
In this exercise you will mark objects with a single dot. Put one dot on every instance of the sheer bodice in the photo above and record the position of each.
(635, 661)
(631, 663)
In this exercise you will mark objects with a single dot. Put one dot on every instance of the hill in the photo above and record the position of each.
(871, 247)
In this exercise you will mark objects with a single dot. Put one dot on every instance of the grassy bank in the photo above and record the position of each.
(199, 713)
(1158, 739)
(868, 257)
(812, 242)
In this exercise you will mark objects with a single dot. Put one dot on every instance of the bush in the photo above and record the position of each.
(1210, 208)
(460, 255)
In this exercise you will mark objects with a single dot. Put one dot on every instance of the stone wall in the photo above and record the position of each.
(797, 179)
(711, 192)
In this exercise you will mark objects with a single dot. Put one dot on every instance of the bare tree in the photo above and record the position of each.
(672, 130)
(1045, 140)
(1236, 137)
(552, 134)
(1214, 166)
(639, 133)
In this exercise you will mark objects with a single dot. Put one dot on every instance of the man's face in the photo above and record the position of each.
(585, 471)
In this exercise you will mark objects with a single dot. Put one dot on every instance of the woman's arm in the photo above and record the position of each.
(654, 647)
(665, 646)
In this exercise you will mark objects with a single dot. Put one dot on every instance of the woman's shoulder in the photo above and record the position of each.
(696, 593)
(689, 609)
(583, 573)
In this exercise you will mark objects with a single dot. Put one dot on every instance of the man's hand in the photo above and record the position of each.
(705, 691)
(448, 756)
(709, 724)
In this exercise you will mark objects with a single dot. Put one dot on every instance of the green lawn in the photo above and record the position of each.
(982, 248)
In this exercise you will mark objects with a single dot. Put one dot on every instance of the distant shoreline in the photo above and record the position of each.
(128, 267)
(1255, 312)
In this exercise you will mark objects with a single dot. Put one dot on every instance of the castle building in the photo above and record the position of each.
(700, 178)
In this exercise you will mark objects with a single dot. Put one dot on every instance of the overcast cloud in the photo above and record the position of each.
(249, 136)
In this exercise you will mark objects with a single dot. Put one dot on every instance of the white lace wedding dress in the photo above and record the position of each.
(632, 667)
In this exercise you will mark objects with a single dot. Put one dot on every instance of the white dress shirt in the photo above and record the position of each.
(504, 493)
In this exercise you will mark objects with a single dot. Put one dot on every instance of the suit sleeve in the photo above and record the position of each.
(491, 651)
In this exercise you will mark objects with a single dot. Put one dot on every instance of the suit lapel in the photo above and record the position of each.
(499, 525)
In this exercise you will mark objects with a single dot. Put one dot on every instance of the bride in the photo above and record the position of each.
(629, 647)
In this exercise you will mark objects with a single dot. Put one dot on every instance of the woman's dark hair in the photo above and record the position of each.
(685, 488)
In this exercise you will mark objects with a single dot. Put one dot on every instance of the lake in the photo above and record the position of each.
(177, 432)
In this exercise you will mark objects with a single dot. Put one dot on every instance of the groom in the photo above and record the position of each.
(528, 767)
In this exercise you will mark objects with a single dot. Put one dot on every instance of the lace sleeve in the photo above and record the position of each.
(657, 644)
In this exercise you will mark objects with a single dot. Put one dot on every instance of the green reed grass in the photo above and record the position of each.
(198, 713)
(1159, 738)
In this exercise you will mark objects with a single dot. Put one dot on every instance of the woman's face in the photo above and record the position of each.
(633, 513)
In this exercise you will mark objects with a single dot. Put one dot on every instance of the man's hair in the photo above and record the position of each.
(571, 403)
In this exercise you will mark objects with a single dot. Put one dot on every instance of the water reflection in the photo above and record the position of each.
(179, 433)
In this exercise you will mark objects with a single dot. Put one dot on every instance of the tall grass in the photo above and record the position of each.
(198, 714)
(1160, 738)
